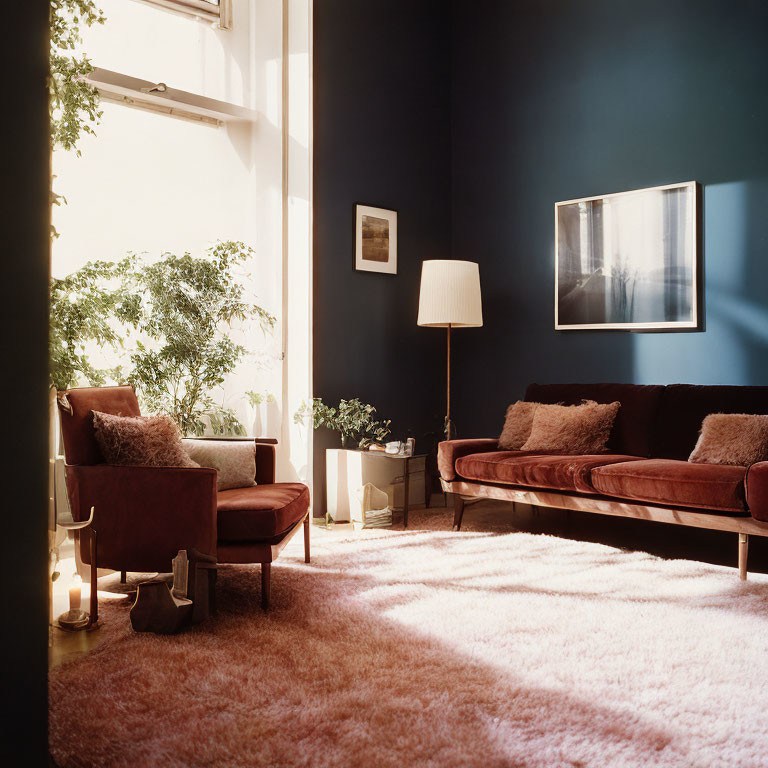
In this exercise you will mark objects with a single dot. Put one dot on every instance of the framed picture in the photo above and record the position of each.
(628, 260)
(375, 239)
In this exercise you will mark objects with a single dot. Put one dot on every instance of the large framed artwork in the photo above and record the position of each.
(628, 260)
(375, 239)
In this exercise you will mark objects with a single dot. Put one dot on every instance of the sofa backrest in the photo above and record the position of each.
(684, 406)
(76, 408)
(655, 420)
(633, 431)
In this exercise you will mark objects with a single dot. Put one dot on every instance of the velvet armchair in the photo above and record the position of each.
(144, 515)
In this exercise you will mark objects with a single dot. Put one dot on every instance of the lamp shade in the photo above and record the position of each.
(450, 294)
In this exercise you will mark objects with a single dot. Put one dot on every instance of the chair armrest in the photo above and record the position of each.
(144, 515)
(757, 490)
(449, 451)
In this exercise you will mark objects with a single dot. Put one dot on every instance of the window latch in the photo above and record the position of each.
(159, 88)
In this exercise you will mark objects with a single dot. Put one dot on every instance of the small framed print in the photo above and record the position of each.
(375, 239)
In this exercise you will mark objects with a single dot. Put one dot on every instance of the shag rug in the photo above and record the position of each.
(436, 649)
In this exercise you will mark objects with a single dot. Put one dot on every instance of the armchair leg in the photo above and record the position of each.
(306, 538)
(266, 569)
(458, 511)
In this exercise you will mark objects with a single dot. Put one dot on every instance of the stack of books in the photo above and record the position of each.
(374, 510)
(377, 518)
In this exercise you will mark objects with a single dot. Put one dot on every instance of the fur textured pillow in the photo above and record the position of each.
(153, 441)
(517, 425)
(572, 429)
(732, 438)
(234, 460)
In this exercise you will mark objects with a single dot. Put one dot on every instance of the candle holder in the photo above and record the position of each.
(75, 619)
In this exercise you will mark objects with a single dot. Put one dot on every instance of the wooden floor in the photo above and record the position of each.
(660, 539)
(66, 646)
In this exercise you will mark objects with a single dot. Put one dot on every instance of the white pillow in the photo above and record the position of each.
(235, 460)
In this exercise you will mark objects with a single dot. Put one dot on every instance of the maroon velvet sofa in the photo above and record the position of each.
(644, 474)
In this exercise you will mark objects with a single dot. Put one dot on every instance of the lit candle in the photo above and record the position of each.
(75, 593)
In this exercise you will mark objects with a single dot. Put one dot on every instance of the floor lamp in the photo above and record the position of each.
(450, 298)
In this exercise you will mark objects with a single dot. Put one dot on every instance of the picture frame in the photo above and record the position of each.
(628, 260)
(375, 239)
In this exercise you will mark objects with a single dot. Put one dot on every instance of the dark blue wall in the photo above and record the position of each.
(382, 138)
(553, 100)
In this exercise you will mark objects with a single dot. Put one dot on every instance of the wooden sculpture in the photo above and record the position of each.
(163, 610)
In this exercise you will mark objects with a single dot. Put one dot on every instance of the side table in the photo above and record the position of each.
(347, 469)
(406, 462)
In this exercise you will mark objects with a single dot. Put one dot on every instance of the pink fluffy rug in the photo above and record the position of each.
(436, 649)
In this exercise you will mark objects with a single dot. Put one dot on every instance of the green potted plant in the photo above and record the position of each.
(352, 419)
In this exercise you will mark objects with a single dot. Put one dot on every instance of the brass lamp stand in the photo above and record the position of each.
(450, 298)
(448, 429)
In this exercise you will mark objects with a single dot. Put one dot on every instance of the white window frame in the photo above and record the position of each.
(220, 13)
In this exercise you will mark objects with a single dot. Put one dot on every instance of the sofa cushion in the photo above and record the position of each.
(572, 429)
(518, 421)
(151, 441)
(732, 438)
(233, 460)
(684, 407)
(260, 512)
(631, 433)
(716, 487)
(562, 473)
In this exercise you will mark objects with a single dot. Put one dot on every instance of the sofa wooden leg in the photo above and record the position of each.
(743, 551)
(458, 511)
(306, 538)
(266, 569)
(123, 577)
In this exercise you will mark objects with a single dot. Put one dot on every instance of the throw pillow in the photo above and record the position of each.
(572, 429)
(235, 460)
(732, 438)
(153, 441)
(517, 425)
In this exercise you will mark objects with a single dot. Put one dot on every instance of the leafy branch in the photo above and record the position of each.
(353, 419)
(82, 306)
(74, 104)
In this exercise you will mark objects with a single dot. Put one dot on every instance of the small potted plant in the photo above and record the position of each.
(352, 419)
